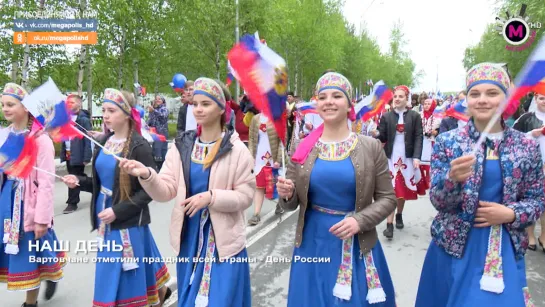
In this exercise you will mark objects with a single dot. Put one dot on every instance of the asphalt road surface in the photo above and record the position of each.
(271, 240)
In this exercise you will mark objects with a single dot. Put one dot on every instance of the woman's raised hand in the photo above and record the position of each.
(134, 168)
(95, 134)
(285, 187)
(461, 168)
(71, 181)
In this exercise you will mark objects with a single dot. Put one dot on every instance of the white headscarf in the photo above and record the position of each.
(533, 108)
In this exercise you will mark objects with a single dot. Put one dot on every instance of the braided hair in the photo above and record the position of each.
(124, 179)
(30, 121)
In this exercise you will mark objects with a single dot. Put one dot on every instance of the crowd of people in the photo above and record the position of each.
(344, 175)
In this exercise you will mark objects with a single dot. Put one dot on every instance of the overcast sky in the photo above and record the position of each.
(434, 31)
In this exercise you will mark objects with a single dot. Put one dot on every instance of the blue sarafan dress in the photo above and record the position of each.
(488, 262)
(24, 267)
(129, 280)
(327, 271)
(203, 280)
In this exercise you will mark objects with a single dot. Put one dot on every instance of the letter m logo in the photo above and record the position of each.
(518, 32)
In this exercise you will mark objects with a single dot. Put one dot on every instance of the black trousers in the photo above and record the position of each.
(73, 194)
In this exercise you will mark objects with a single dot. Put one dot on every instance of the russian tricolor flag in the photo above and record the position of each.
(440, 111)
(156, 136)
(306, 108)
(458, 111)
(528, 79)
(262, 73)
(375, 103)
(48, 105)
(18, 154)
(230, 74)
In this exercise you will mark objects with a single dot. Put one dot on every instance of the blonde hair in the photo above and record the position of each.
(124, 179)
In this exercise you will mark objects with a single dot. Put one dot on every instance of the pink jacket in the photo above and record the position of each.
(233, 185)
(39, 187)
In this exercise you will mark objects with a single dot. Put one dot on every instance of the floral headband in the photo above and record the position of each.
(15, 91)
(490, 73)
(333, 80)
(210, 89)
(116, 97)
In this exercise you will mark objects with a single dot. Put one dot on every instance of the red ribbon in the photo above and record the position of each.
(137, 120)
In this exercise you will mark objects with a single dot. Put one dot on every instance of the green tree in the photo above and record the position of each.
(492, 46)
(148, 41)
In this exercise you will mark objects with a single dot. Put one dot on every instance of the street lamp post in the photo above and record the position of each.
(437, 76)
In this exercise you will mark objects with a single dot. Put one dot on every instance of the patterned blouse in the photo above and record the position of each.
(159, 119)
(523, 187)
(430, 124)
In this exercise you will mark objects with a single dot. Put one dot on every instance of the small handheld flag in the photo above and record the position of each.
(18, 155)
(263, 75)
(530, 78)
(48, 105)
(375, 103)
(458, 111)
(156, 136)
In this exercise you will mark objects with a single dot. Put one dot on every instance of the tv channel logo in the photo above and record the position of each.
(518, 31)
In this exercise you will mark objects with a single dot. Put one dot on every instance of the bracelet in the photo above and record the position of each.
(149, 175)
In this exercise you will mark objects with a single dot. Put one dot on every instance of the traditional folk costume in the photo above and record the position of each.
(401, 131)
(430, 124)
(482, 266)
(197, 277)
(331, 184)
(216, 234)
(24, 202)
(365, 128)
(131, 281)
(266, 147)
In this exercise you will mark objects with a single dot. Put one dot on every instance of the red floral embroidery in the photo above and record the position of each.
(399, 164)
(267, 157)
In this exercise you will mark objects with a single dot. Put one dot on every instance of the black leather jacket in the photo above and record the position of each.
(413, 133)
(527, 122)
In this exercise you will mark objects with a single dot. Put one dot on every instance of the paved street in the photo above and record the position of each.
(270, 280)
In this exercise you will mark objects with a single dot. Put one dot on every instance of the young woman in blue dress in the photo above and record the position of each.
(484, 203)
(120, 213)
(341, 182)
(209, 173)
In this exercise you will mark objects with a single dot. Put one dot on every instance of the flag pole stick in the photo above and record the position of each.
(50, 173)
(284, 170)
(96, 143)
(81, 127)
